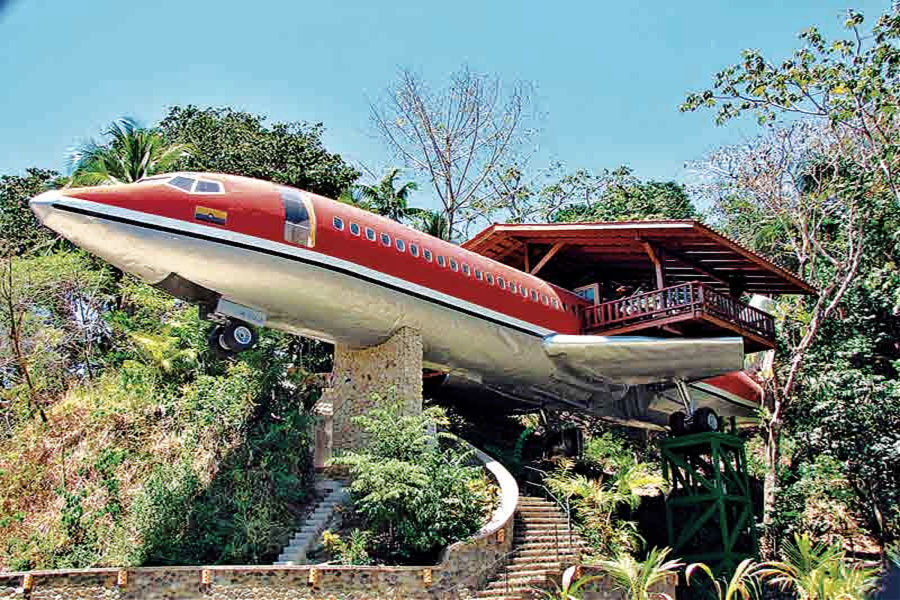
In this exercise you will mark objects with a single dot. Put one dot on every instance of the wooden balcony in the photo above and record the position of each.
(690, 310)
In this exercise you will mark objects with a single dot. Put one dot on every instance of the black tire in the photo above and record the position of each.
(705, 420)
(216, 344)
(238, 336)
(678, 423)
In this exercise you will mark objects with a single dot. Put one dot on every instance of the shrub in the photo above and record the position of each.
(414, 494)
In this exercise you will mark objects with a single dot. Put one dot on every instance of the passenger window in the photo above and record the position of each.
(414, 249)
(354, 228)
(545, 299)
(501, 282)
(479, 275)
(299, 219)
(556, 304)
(338, 223)
(370, 234)
(386, 240)
(427, 254)
(182, 183)
(466, 270)
(401, 245)
(512, 287)
(442, 261)
(523, 290)
(534, 295)
(208, 187)
(490, 278)
(453, 265)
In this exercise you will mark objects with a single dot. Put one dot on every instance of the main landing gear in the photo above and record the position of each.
(231, 338)
(702, 420)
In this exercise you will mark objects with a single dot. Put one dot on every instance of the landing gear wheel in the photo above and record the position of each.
(216, 344)
(678, 423)
(238, 336)
(705, 420)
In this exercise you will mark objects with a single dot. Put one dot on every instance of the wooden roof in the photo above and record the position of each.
(689, 251)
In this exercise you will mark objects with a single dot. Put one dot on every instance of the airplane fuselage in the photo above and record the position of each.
(315, 267)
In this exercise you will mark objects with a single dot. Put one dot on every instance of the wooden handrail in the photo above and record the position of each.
(679, 299)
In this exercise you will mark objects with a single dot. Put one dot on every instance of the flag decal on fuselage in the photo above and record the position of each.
(211, 215)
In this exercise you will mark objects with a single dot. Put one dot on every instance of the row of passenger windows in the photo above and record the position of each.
(414, 250)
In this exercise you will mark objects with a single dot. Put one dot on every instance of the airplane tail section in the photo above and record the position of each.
(644, 360)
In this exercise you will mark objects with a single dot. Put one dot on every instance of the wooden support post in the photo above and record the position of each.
(655, 258)
(527, 259)
(550, 254)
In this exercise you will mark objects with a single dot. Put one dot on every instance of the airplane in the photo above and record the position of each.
(253, 253)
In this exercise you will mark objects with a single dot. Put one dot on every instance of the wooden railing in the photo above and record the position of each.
(672, 302)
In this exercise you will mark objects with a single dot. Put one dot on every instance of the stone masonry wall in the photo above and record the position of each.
(392, 369)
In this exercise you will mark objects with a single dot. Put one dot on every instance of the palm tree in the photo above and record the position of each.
(434, 223)
(743, 585)
(129, 153)
(636, 579)
(817, 571)
(386, 200)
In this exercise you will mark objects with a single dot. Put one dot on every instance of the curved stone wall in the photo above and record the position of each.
(464, 566)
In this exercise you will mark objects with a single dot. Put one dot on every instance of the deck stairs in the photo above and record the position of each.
(307, 537)
(544, 545)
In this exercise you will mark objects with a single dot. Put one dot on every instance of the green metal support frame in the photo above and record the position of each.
(709, 511)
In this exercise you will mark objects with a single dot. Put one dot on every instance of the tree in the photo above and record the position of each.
(636, 579)
(624, 197)
(130, 153)
(819, 572)
(797, 181)
(850, 85)
(455, 137)
(386, 200)
(49, 318)
(20, 231)
(230, 141)
(433, 223)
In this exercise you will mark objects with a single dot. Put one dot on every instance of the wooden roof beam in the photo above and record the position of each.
(697, 267)
(550, 254)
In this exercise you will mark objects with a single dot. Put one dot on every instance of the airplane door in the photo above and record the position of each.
(299, 219)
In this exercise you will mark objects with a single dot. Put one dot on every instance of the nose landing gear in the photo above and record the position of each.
(232, 338)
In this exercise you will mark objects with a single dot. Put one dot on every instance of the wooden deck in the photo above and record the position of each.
(682, 309)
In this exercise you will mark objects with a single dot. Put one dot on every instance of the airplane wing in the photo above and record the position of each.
(644, 360)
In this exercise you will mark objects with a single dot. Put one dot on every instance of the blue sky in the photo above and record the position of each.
(609, 75)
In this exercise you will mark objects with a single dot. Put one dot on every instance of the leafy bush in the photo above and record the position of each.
(601, 500)
(413, 494)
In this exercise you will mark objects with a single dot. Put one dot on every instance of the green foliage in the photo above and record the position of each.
(385, 199)
(414, 495)
(636, 579)
(225, 140)
(816, 571)
(744, 583)
(129, 153)
(20, 231)
(627, 198)
(569, 587)
(601, 502)
(353, 551)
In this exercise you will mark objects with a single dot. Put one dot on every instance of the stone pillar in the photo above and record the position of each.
(392, 370)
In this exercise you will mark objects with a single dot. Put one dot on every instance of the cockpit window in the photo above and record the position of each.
(208, 187)
(182, 182)
(299, 219)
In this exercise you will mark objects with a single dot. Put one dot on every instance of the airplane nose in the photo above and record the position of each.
(42, 205)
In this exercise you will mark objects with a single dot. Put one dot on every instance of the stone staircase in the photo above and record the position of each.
(543, 547)
(308, 536)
